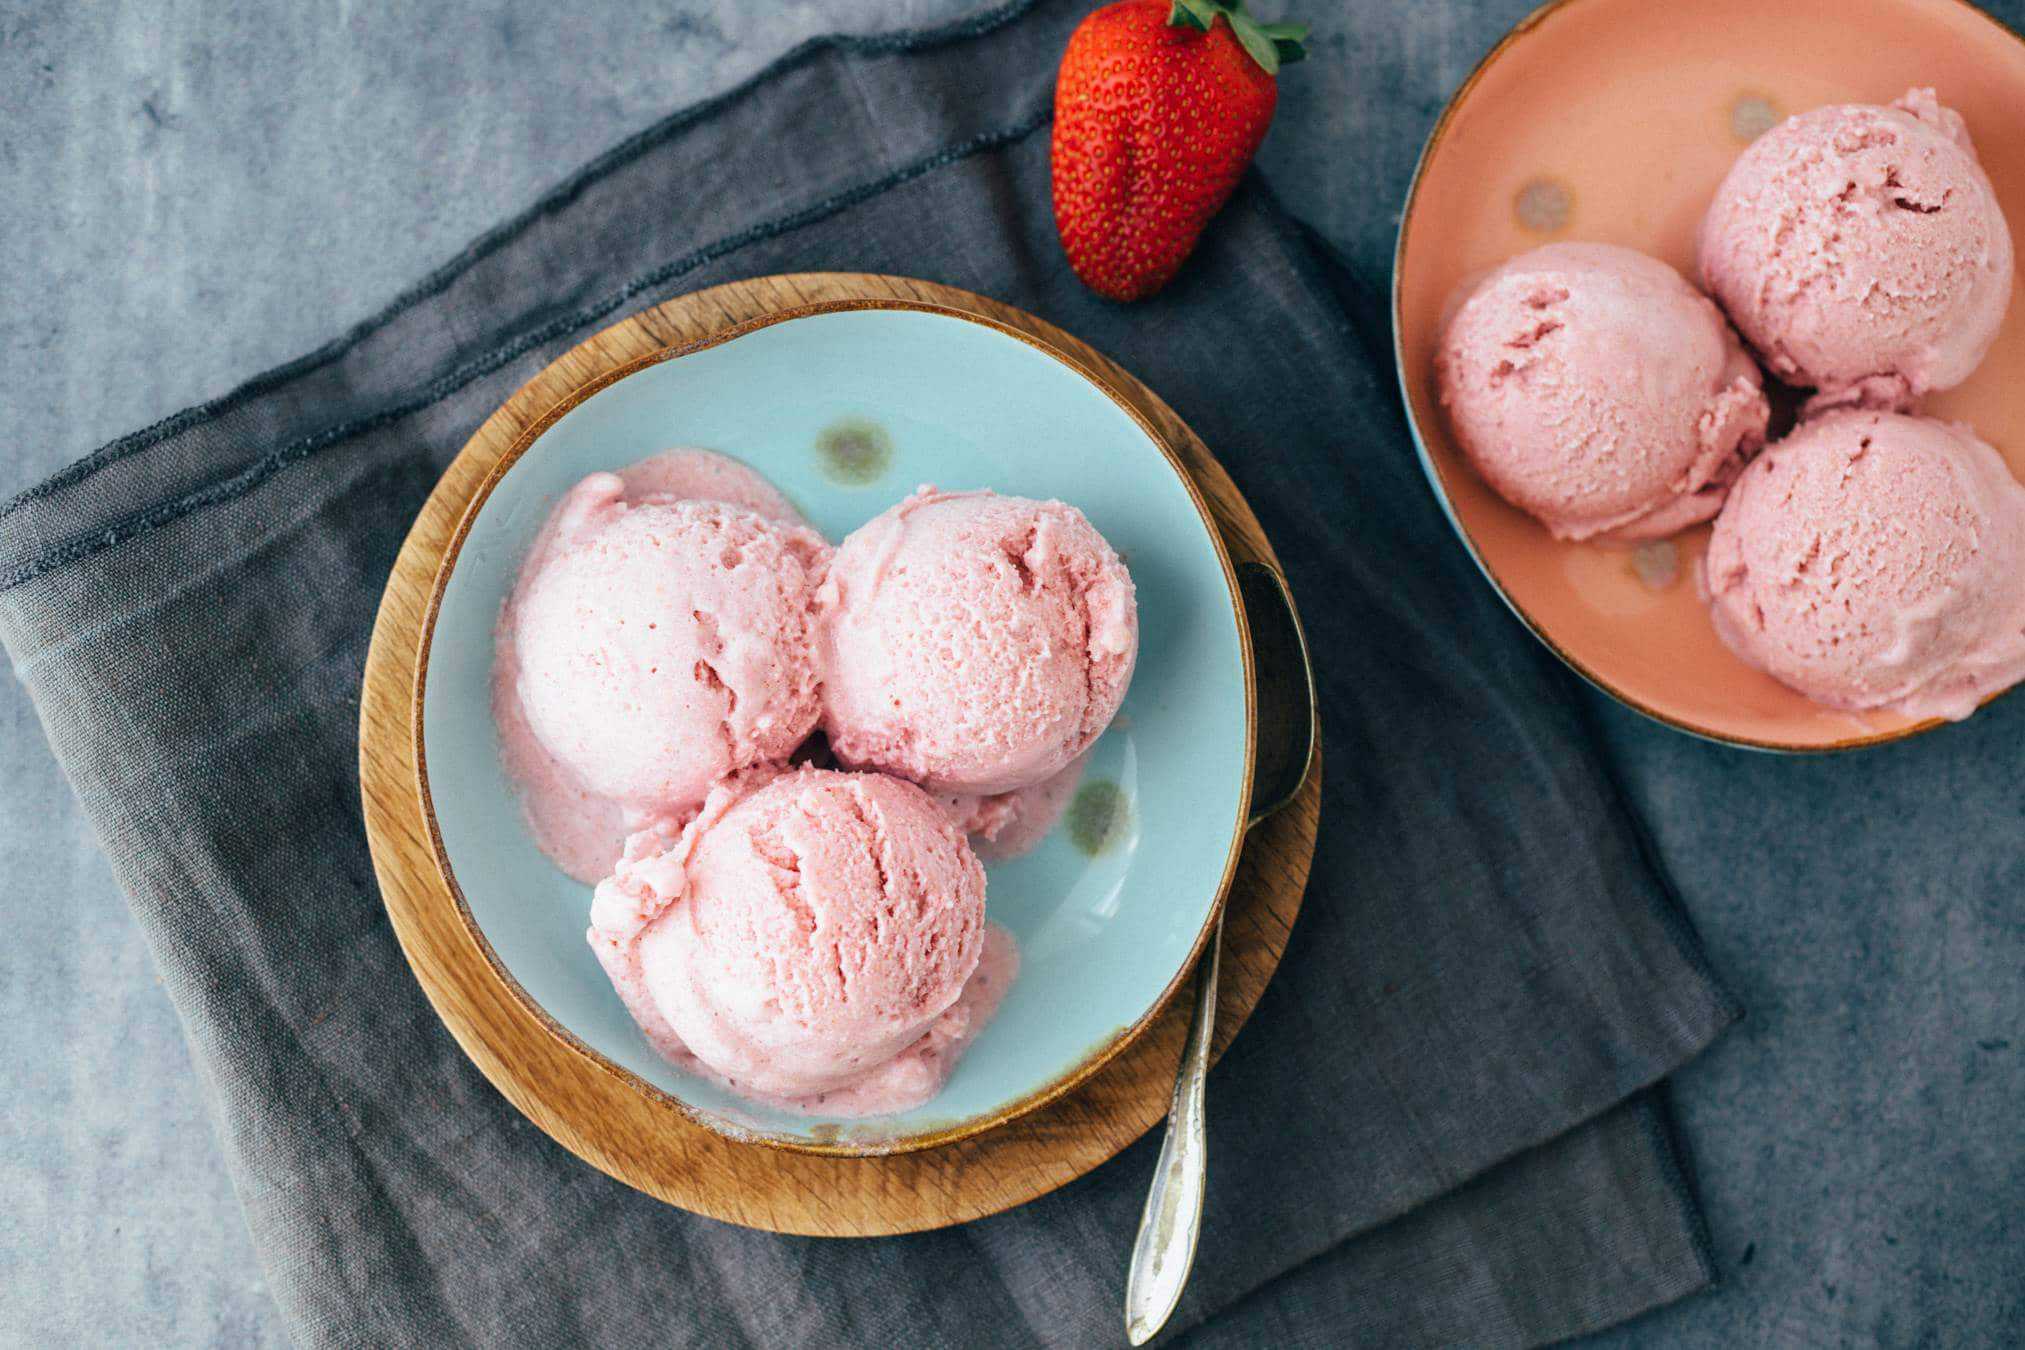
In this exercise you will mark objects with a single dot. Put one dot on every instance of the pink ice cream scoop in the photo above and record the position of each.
(1875, 560)
(815, 939)
(974, 643)
(656, 644)
(582, 831)
(1598, 392)
(1861, 250)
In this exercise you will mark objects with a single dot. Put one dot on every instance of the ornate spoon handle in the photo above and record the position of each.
(1165, 1248)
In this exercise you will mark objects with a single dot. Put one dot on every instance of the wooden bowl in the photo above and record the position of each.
(1613, 121)
(611, 1116)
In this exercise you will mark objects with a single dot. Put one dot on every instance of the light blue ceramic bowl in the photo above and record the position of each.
(847, 409)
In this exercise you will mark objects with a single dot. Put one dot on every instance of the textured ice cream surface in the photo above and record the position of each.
(652, 644)
(1875, 560)
(705, 475)
(665, 643)
(814, 939)
(1593, 388)
(1862, 251)
(974, 643)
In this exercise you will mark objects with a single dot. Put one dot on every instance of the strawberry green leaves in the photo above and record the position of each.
(1289, 41)
(1271, 45)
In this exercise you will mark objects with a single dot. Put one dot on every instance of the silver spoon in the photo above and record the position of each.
(1164, 1251)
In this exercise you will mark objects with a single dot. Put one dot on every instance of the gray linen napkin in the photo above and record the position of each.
(1436, 1129)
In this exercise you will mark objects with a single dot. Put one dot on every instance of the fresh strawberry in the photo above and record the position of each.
(1158, 108)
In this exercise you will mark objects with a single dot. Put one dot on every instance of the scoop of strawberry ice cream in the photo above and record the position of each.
(1875, 560)
(813, 938)
(974, 643)
(581, 831)
(1597, 391)
(653, 645)
(1862, 251)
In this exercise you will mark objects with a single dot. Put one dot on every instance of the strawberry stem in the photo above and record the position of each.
(1271, 45)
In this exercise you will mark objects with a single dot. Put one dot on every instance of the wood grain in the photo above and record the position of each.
(615, 1121)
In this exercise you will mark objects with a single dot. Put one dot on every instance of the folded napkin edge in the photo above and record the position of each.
(229, 487)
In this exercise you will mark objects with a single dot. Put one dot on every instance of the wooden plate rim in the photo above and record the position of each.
(613, 1130)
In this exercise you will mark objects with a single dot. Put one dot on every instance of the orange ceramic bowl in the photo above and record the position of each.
(1613, 121)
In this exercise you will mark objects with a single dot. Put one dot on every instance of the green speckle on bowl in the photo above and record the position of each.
(854, 451)
(1099, 818)
(1751, 116)
(1656, 564)
(1544, 205)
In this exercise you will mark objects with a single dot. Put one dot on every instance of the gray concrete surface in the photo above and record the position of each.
(191, 193)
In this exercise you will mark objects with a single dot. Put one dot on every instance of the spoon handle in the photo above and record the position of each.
(1165, 1247)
